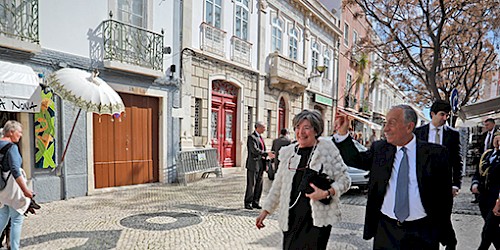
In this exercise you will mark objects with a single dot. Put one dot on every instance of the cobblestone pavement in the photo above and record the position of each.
(206, 214)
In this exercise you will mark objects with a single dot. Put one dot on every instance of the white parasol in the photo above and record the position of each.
(86, 91)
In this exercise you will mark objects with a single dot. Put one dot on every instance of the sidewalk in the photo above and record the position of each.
(206, 214)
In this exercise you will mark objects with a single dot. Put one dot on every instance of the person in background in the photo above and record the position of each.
(409, 199)
(486, 183)
(306, 213)
(256, 163)
(15, 197)
(439, 133)
(486, 142)
(278, 143)
(373, 138)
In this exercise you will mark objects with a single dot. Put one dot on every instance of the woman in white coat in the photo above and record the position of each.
(306, 211)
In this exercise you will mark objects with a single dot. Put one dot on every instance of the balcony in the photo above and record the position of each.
(241, 51)
(287, 74)
(19, 25)
(131, 48)
(321, 85)
(212, 39)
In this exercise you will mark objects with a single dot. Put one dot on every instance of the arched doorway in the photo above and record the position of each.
(223, 127)
(281, 114)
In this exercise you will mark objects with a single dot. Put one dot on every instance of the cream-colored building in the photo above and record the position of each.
(245, 61)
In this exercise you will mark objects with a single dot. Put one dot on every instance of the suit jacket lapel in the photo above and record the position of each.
(390, 154)
(446, 136)
(422, 156)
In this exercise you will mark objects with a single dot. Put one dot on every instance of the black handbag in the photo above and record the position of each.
(319, 179)
(270, 170)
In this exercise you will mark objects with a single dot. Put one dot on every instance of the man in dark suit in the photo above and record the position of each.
(439, 133)
(279, 142)
(409, 199)
(486, 183)
(256, 162)
(486, 139)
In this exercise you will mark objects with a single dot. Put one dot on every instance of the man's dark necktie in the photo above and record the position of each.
(402, 202)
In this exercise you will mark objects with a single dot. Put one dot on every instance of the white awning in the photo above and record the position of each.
(484, 109)
(363, 120)
(19, 88)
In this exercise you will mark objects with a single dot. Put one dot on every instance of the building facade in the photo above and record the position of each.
(246, 61)
(128, 43)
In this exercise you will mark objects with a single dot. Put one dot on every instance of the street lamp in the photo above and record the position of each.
(320, 70)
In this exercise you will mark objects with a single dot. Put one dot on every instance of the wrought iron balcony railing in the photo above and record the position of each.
(133, 45)
(212, 39)
(242, 50)
(19, 20)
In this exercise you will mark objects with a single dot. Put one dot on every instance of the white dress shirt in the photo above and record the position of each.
(432, 134)
(488, 139)
(417, 210)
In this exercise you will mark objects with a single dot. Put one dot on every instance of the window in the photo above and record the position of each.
(315, 56)
(347, 99)
(132, 12)
(346, 34)
(241, 19)
(326, 63)
(213, 12)
(293, 44)
(197, 112)
(277, 34)
(354, 38)
(250, 119)
(269, 114)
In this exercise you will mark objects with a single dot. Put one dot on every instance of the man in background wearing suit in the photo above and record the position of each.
(256, 162)
(487, 136)
(486, 142)
(439, 133)
(409, 199)
(279, 142)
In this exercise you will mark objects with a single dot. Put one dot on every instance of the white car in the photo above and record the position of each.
(359, 177)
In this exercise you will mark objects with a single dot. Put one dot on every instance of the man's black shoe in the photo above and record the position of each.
(256, 206)
(474, 201)
(247, 206)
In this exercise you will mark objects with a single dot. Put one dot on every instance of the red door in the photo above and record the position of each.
(281, 115)
(224, 122)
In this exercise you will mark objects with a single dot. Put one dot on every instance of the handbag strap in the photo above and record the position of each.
(3, 152)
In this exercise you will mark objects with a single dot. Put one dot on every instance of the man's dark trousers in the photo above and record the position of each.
(254, 185)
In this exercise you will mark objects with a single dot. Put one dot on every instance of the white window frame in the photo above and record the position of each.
(277, 40)
(314, 55)
(214, 7)
(326, 63)
(239, 4)
(293, 35)
(346, 34)
(354, 38)
(144, 15)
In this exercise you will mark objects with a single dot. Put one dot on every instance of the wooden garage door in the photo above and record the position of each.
(126, 151)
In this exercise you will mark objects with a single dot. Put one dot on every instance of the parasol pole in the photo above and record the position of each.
(70, 135)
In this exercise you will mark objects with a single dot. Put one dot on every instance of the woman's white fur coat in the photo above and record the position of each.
(326, 154)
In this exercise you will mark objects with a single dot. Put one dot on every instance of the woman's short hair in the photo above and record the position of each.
(11, 126)
(314, 117)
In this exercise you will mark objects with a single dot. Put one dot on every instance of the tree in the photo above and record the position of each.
(434, 46)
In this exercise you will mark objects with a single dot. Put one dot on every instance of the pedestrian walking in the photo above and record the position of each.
(308, 184)
(486, 183)
(15, 195)
(278, 143)
(439, 133)
(409, 199)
